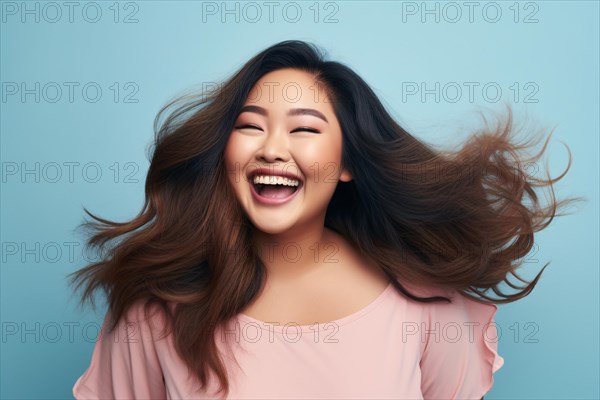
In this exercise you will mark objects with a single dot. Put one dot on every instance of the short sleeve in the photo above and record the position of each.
(124, 362)
(460, 353)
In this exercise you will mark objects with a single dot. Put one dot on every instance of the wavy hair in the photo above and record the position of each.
(453, 219)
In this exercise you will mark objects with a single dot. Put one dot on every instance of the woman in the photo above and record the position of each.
(297, 242)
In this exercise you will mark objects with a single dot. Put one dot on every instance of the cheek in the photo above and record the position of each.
(321, 156)
(238, 157)
(234, 153)
(232, 163)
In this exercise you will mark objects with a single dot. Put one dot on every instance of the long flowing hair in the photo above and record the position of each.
(454, 219)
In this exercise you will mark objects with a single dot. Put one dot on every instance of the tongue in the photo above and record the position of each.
(276, 192)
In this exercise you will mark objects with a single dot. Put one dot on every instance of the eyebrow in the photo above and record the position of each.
(292, 112)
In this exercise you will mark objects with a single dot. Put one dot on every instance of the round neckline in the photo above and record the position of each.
(319, 326)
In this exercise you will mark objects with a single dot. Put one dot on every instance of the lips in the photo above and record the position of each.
(254, 188)
(257, 187)
(272, 201)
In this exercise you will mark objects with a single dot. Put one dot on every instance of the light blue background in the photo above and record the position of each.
(174, 46)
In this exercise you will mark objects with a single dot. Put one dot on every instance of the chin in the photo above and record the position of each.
(271, 229)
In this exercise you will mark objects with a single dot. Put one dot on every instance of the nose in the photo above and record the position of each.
(274, 148)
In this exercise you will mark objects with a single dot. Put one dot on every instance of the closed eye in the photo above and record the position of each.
(247, 126)
(301, 129)
(306, 129)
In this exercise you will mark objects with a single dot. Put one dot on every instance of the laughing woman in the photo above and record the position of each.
(296, 242)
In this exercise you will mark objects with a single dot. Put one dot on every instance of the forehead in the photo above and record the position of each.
(291, 86)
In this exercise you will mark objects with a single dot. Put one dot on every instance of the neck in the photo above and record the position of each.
(290, 256)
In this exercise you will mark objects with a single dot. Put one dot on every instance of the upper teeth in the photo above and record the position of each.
(275, 180)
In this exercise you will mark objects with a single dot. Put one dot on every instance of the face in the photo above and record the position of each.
(287, 125)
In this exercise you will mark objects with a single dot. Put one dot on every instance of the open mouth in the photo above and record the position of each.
(275, 191)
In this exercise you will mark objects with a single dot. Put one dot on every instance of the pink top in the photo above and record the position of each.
(393, 348)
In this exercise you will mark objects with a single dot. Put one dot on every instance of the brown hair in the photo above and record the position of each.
(448, 219)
